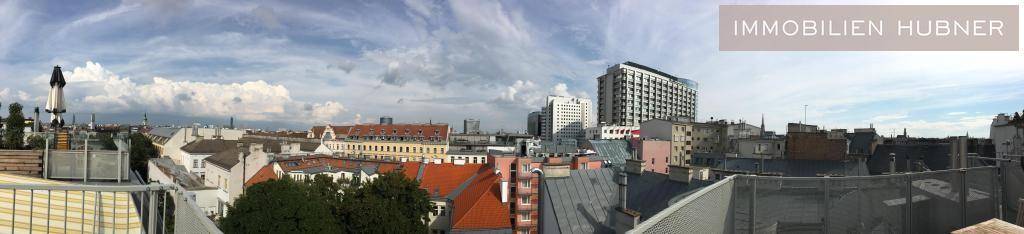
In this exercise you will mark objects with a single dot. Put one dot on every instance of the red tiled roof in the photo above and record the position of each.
(340, 130)
(441, 179)
(318, 131)
(411, 130)
(410, 169)
(264, 174)
(312, 161)
(479, 205)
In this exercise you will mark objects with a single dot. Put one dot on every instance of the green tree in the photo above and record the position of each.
(36, 142)
(391, 203)
(142, 150)
(106, 141)
(14, 135)
(281, 206)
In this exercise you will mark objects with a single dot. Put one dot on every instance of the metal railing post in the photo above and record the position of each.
(85, 168)
(46, 159)
(753, 202)
(909, 218)
(151, 228)
(827, 204)
(963, 196)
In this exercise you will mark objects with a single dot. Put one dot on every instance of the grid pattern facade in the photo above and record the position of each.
(565, 118)
(630, 93)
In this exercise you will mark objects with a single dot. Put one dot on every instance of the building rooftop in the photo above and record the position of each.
(785, 167)
(584, 201)
(440, 179)
(209, 146)
(479, 206)
(689, 83)
(615, 151)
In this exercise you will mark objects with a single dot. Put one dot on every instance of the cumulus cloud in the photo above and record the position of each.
(96, 88)
(525, 94)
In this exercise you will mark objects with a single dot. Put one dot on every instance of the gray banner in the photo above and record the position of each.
(868, 28)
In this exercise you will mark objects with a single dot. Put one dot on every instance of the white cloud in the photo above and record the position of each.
(96, 88)
(956, 113)
(890, 117)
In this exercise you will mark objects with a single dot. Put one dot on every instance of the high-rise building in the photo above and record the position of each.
(386, 120)
(565, 118)
(630, 93)
(533, 123)
(471, 126)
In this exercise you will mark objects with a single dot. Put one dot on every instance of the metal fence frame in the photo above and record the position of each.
(983, 184)
(188, 217)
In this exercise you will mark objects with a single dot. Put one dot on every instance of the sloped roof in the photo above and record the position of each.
(264, 174)
(225, 159)
(479, 207)
(318, 131)
(400, 130)
(860, 142)
(585, 201)
(615, 151)
(441, 179)
(209, 146)
(935, 156)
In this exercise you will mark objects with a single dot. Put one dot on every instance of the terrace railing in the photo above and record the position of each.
(923, 202)
(28, 208)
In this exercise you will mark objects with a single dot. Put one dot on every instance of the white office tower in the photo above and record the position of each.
(630, 93)
(565, 118)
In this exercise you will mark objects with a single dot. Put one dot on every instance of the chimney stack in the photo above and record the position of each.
(623, 185)
(504, 191)
(892, 163)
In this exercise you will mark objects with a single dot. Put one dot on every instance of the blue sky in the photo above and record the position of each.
(298, 63)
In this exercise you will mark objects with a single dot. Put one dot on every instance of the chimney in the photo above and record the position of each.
(892, 163)
(623, 185)
(679, 173)
(36, 122)
(504, 189)
(625, 219)
(634, 166)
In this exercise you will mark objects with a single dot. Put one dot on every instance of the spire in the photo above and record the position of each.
(762, 124)
(231, 123)
(905, 132)
(145, 119)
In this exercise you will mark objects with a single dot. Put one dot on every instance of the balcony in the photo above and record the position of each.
(73, 208)
(923, 202)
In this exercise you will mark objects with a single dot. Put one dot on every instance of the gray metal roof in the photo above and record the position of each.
(586, 200)
(163, 132)
(615, 151)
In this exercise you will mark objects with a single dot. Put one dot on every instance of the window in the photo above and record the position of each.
(526, 183)
(525, 199)
(524, 216)
(195, 163)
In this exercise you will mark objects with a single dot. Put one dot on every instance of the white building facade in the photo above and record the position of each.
(565, 118)
(630, 93)
(610, 132)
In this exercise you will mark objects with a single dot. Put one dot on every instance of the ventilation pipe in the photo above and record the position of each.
(892, 163)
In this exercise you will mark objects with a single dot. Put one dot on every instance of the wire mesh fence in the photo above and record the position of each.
(924, 202)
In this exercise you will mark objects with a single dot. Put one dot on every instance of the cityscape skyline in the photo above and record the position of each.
(269, 65)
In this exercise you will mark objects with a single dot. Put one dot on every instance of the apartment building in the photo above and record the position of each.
(611, 132)
(680, 133)
(565, 118)
(630, 93)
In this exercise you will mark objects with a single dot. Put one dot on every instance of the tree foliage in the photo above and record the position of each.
(280, 206)
(14, 135)
(107, 141)
(390, 204)
(142, 150)
(36, 142)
